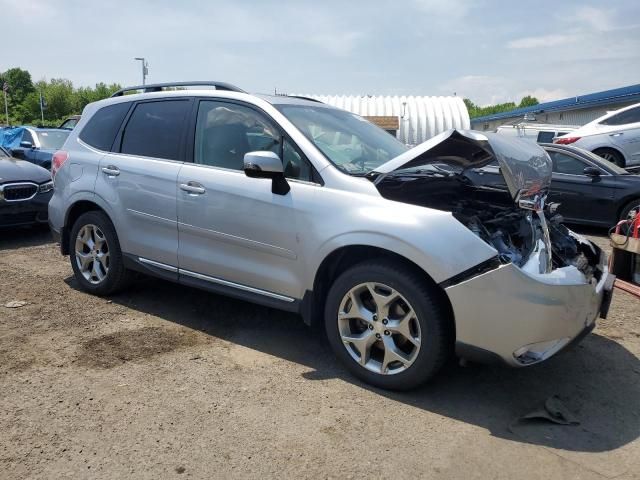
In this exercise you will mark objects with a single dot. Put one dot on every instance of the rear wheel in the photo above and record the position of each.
(611, 156)
(95, 255)
(387, 325)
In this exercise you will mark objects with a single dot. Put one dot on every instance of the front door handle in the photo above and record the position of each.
(193, 188)
(617, 134)
(111, 171)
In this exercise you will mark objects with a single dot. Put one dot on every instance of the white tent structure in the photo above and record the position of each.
(418, 118)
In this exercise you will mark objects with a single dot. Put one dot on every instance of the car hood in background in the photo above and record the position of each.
(14, 170)
(525, 166)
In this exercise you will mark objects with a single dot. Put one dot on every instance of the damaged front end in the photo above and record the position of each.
(537, 254)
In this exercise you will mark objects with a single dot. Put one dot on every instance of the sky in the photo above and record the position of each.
(490, 51)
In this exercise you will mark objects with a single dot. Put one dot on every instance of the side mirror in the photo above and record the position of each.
(25, 144)
(265, 164)
(592, 171)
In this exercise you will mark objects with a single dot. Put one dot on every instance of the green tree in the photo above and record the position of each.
(528, 101)
(20, 86)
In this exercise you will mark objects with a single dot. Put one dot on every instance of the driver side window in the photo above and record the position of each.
(225, 132)
(567, 164)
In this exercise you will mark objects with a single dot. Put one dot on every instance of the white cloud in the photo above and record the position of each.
(552, 40)
(595, 18)
(544, 94)
(450, 8)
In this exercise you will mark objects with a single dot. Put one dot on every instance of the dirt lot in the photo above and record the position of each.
(169, 382)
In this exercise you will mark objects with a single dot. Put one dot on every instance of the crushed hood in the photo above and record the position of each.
(525, 166)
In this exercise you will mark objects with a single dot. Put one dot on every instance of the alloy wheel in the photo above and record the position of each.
(379, 328)
(92, 254)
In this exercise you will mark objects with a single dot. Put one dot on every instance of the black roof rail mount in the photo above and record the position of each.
(157, 87)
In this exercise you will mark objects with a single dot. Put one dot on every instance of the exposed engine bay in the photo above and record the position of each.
(512, 216)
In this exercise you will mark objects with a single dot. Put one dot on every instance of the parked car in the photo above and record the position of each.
(589, 189)
(70, 122)
(614, 136)
(537, 132)
(393, 250)
(25, 191)
(37, 145)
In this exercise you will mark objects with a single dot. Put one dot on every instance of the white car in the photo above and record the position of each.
(538, 132)
(614, 136)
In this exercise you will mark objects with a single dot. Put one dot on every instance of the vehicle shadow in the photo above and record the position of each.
(21, 237)
(599, 380)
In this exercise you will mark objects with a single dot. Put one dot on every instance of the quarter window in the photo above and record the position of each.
(101, 129)
(155, 129)
(225, 132)
(27, 137)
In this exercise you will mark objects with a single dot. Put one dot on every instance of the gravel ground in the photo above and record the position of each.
(165, 381)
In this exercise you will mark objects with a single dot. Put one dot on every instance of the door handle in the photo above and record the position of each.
(193, 188)
(111, 171)
(617, 134)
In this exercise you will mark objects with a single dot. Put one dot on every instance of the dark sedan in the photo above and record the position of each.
(37, 145)
(25, 191)
(589, 189)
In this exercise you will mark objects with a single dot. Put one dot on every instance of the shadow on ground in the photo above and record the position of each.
(599, 380)
(22, 237)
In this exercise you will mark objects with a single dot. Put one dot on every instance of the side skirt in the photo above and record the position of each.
(214, 285)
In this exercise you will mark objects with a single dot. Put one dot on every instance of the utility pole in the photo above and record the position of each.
(42, 107)
(5, 87)
(145, 68)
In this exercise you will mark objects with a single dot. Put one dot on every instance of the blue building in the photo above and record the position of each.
(569, 111)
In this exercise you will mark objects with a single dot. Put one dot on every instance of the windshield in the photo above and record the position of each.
(52, 139)
(349, 141)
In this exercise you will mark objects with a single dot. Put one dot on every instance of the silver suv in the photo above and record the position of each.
(293, 204)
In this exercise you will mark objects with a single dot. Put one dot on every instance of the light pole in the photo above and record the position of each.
(145, 68)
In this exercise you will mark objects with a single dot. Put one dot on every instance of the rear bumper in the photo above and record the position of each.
(520, 319)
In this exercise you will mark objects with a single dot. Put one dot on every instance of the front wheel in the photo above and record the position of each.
(387, 325)
(95, 254)
(630, 210)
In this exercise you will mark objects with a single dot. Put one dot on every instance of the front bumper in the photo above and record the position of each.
(29, 212)
(521, 319)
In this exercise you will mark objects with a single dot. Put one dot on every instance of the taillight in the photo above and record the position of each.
(58, 161)
(566, 140)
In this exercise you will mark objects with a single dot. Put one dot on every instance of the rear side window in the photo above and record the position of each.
(623, 118)
(103, 127)
(545, 137)
(155, 129)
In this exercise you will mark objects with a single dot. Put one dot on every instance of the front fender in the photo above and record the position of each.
(434, 240)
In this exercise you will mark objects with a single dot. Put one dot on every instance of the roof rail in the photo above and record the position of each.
(157, 87)
(301, 97)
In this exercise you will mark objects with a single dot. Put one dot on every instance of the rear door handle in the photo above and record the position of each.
(111, 171)
(193, 188)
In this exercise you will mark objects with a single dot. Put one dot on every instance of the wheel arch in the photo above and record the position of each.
(613, 149)
(341, 259)
(73, 213)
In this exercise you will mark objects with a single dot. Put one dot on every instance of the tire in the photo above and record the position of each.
(109, 275)
(626, 210)
(611, 155)
(430, 323)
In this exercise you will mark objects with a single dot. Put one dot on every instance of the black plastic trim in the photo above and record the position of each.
(479, 269)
